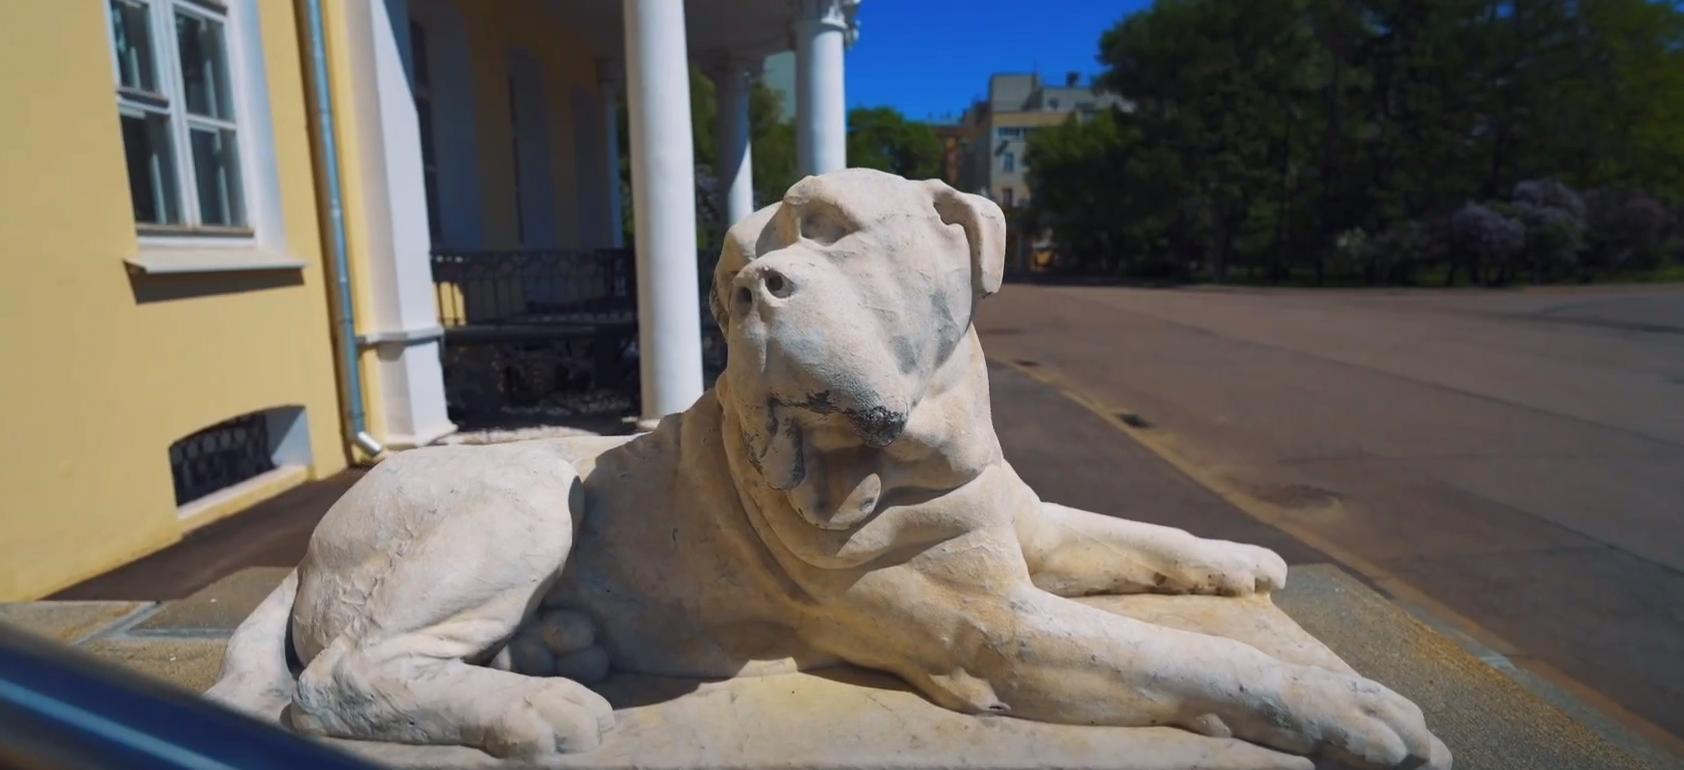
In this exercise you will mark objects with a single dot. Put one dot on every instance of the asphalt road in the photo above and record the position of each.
(1515, 456)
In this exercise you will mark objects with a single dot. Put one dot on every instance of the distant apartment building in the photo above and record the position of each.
(954, 140)
(993, 134)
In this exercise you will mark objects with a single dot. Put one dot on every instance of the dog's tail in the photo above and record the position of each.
(256, 679)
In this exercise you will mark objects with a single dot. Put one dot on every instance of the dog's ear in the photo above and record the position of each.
(985, 230)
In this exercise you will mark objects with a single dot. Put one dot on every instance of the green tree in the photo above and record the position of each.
(773, 148)
(1218, 87)
(1259, 134)
(883, 139)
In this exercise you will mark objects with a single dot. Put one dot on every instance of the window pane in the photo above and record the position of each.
(204, 66)
(146, 147)
(216, 176)
(131, 35)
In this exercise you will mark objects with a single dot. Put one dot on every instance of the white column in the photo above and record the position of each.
(663, 206)
(821, 138)
(736, 170)
(608, 95)
(400, 322)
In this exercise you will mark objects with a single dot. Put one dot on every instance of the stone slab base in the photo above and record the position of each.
(865, 721)
(846, 719)
(860, 720)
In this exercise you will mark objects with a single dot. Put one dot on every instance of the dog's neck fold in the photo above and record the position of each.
(853, 501)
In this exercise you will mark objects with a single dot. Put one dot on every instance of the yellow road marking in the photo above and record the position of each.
(1159, 443)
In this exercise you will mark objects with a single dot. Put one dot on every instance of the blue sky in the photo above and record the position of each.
(931, 58)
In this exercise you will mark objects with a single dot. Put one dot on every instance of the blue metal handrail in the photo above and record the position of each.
(62, 708)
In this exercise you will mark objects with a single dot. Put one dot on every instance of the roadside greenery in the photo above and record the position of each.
(1376, 141)
(883, 139)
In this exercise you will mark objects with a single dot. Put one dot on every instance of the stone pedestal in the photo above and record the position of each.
(861, 719)
(857, 719)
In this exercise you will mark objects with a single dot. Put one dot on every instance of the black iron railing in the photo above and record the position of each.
(535, 335)
(220, 456)
(534, 286)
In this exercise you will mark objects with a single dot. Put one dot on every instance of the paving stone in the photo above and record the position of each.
(216, 608)
(68, 622)
(189, 663)
(848, 720)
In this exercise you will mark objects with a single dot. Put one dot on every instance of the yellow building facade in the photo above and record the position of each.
(125, 336)
(220, 219)
(108, 364)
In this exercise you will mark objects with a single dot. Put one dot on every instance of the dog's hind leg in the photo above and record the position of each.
(409, 663)
(417, 688)
(1073, 552)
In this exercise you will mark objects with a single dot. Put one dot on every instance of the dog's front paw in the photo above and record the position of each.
(1343, 715)
(1222, 568)
(562, 716)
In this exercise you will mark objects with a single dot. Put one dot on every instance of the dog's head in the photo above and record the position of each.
(839, 304)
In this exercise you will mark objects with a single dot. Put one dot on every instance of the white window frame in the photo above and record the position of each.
(248, 87)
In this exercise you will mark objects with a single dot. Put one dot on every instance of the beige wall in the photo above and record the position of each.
(494, 29)
(100, 370)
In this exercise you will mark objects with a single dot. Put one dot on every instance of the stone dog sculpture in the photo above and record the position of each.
(838, 497)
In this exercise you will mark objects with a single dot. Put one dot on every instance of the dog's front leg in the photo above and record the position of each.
(1073, 552)
(1033, 655)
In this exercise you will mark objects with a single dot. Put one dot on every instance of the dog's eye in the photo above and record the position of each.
(744, 296)
(822, 229)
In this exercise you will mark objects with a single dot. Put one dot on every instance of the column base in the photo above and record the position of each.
(410, 382)
(395, 441)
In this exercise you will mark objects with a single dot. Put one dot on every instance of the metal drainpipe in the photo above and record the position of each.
(351, 379)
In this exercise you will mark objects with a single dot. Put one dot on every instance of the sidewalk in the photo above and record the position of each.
(271, 534)
(1070, 457)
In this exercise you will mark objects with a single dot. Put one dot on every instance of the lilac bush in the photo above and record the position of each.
(1554, 238)
(1486, 233)
(1626, 230)
(1550, 194)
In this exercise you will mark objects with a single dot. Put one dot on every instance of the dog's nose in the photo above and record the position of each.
(754, 282)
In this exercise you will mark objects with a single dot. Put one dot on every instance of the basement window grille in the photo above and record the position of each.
(220, 456)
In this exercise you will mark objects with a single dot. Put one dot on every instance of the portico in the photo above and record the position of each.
(547, 78)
